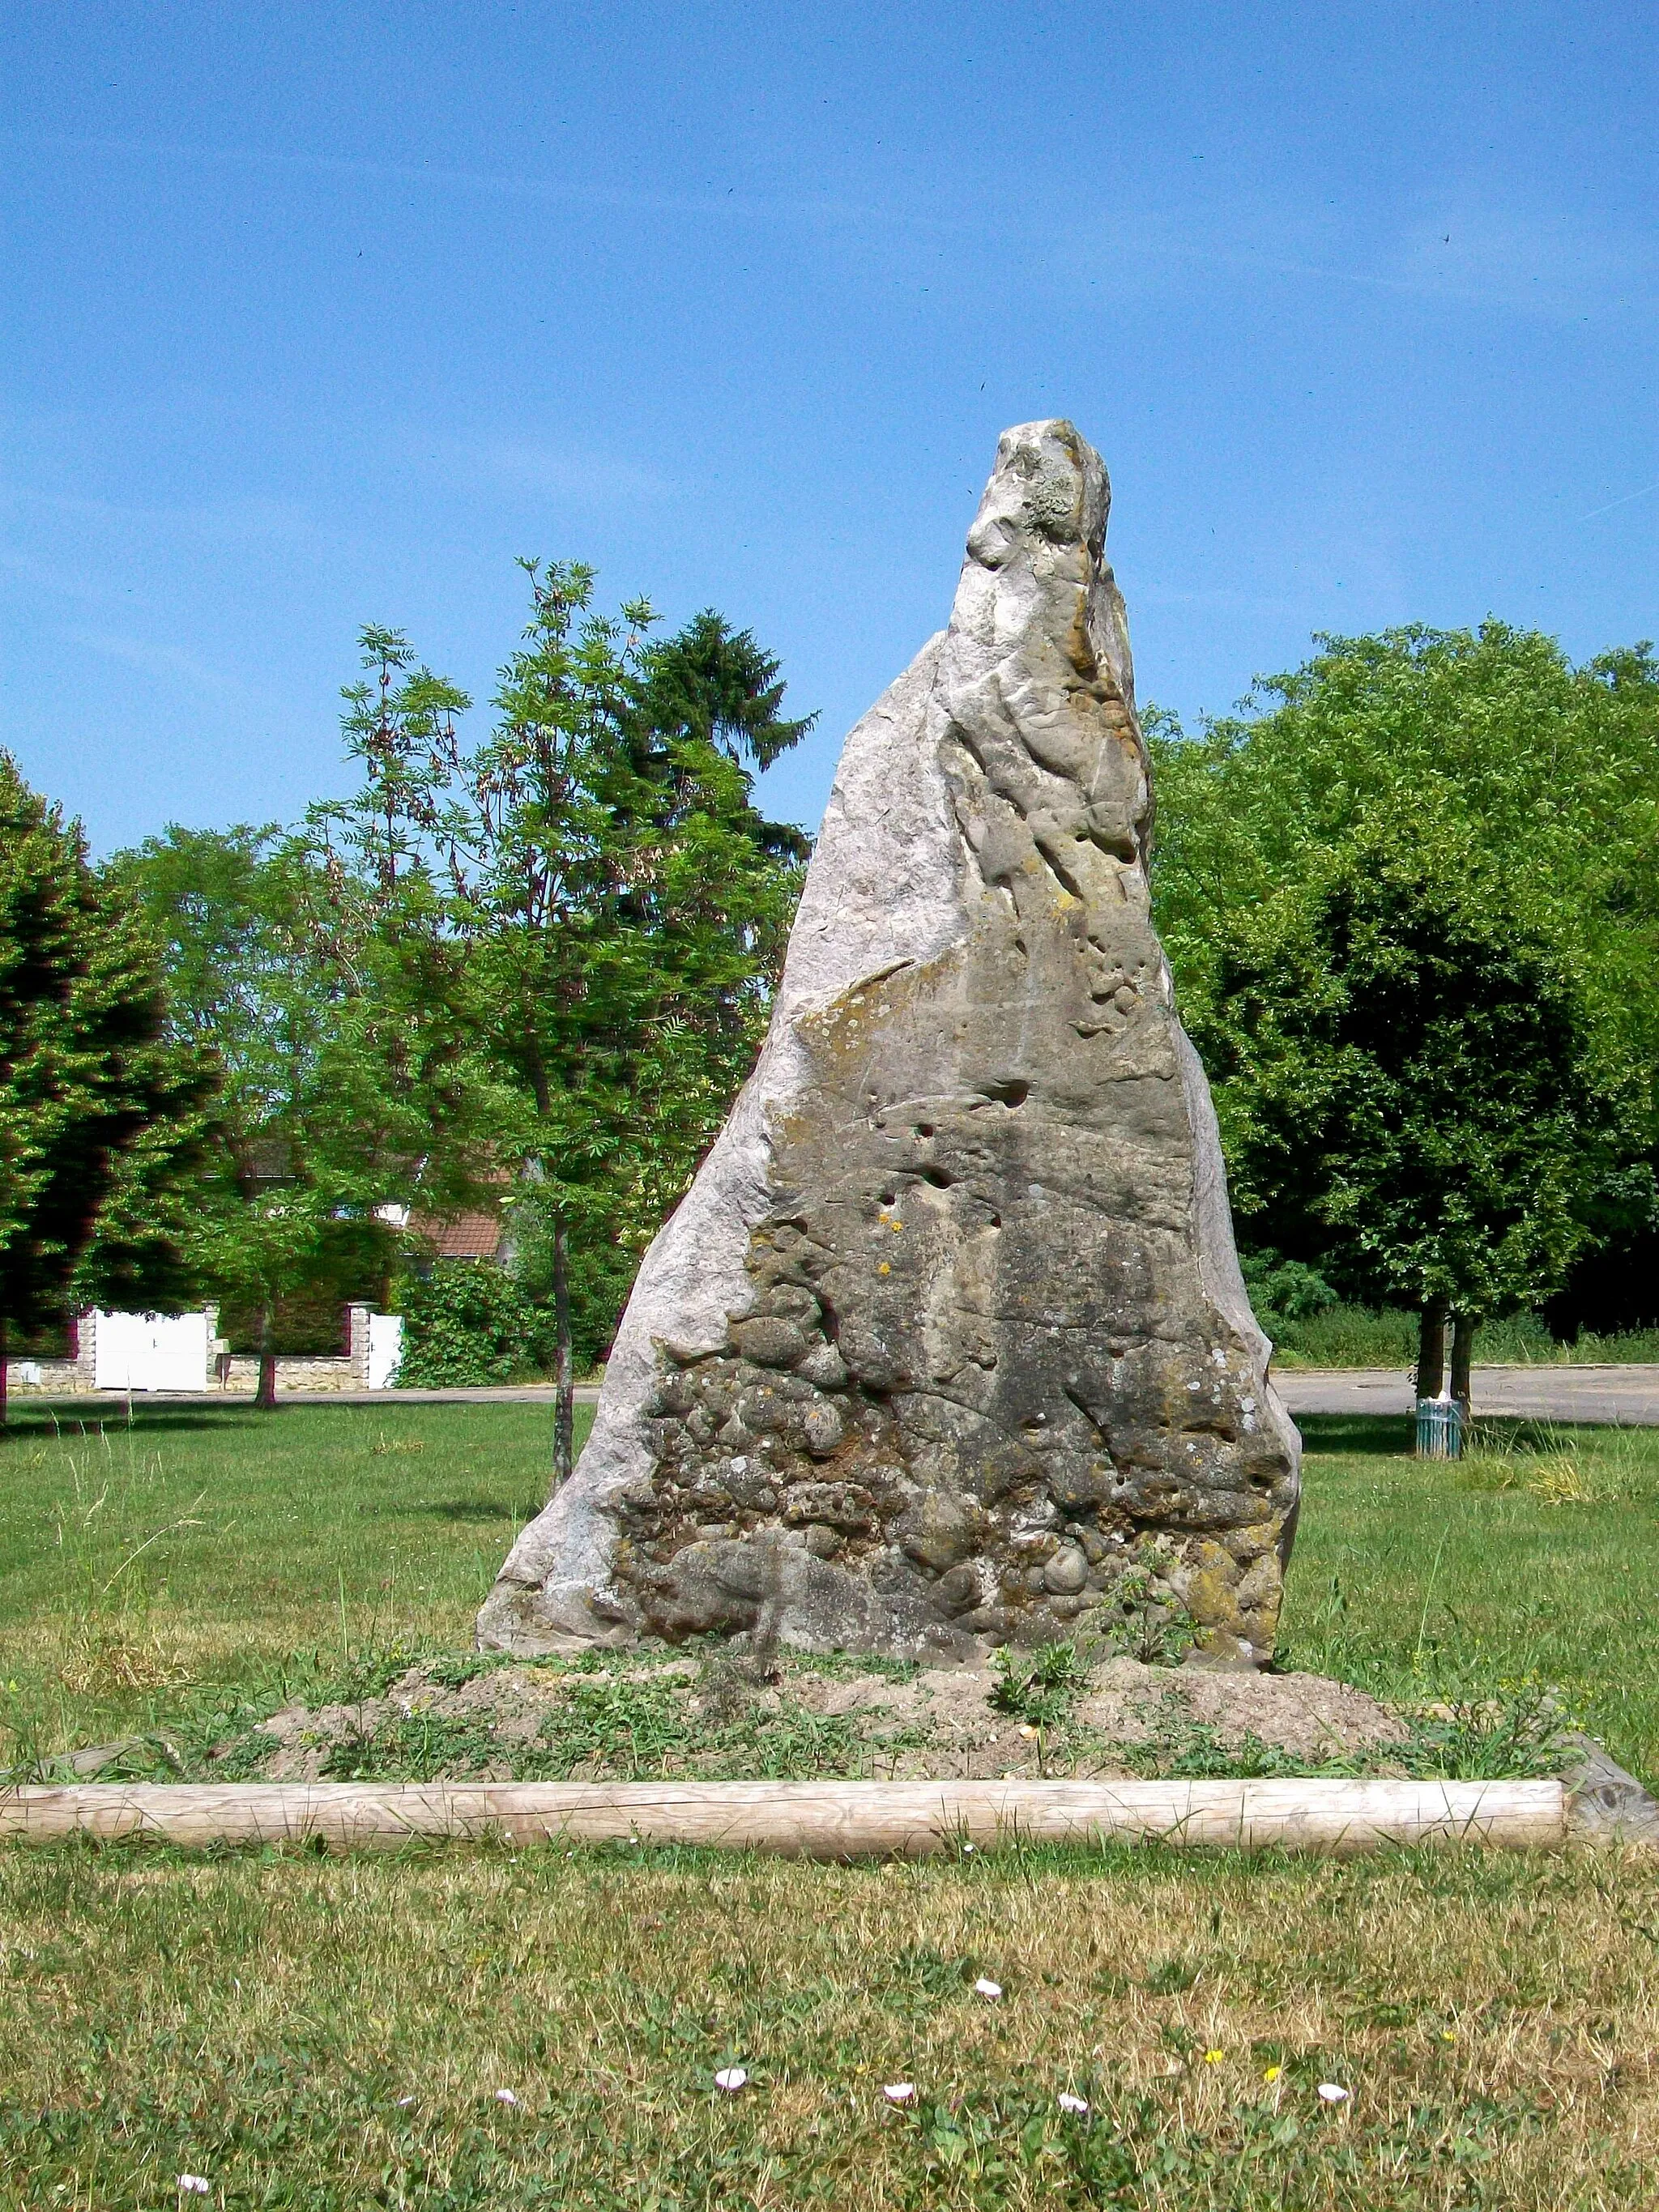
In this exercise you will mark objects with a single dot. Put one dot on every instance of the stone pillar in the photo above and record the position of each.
(357, 1344)
(85, 1354)
(947, 1346)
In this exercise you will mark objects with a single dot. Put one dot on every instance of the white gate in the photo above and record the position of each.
(150, 1352)
(386, 1349)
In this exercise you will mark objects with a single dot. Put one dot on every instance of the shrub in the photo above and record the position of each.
(1285, 1287)
(466, 1323)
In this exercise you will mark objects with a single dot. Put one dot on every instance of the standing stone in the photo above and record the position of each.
(949, 1336)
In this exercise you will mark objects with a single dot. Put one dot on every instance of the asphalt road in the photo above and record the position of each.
(526, 1394)
(1627, 1395)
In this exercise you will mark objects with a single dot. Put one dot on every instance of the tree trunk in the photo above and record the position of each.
(1462, 1360)
(1431, 1349)
(564, 1371)
(265, 1400)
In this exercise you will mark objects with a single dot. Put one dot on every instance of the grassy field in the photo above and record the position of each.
(196, 1550)
(300, 2033)
(1533, 1561)
(255, 2021)
(200, 1557)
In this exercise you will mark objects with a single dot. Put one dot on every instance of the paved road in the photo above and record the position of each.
(526, 1394)
(1627, 1395)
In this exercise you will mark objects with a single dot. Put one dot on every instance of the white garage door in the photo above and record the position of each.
(150, 1352)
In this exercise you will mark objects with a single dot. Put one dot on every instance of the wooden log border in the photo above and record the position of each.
(802, 1820)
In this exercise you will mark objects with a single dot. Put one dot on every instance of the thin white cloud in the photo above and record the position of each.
(1534, 262)
(265, 520)
(582, 474)
(1541, 262)
(152, 660)
(61, 582)
(721, 200)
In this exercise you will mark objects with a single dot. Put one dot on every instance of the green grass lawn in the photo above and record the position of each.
(142, 1566)
(195, 1552)
(1534, 1560)
(256, 2019)
(311, 2035)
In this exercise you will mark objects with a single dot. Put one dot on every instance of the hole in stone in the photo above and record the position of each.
(938, 1177)
(924, 1128)
(890, 1198)
(1010, 1094)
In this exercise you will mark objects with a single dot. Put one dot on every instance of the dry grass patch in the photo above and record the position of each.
(258, 2021)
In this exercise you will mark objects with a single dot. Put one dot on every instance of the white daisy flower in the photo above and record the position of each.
(504, 2097)
(1068, 2103)
(730, 2079)
(990, 1991)
(900, 2092)
(194, 2184)
(1332, 2093)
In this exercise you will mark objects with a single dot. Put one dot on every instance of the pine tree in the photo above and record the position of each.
(100, 1116)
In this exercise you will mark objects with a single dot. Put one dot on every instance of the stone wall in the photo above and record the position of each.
(239, 1376)
(48, 1378)
(234, 1375)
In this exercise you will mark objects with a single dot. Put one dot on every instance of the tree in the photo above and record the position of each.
(1410, 1086)
(1479, 782)
(100, 1114)
(335, 1068)
(613, 908)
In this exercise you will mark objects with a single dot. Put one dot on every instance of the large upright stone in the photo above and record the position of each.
(949, 1333)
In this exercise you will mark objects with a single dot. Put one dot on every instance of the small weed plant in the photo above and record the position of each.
(1154, 1629)
(1042, 1690)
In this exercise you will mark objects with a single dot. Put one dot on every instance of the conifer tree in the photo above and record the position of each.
(101, 1116)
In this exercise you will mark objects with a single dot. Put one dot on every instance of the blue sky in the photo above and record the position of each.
(317, 316)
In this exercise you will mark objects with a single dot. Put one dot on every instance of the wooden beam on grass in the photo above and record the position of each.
(801, 1820)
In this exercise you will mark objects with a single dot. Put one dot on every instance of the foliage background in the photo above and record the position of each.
(1480, 776)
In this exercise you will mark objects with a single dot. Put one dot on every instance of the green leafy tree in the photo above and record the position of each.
(1411, 1083)
(101, 1115)
(1426, 864)
(468, 1322)
(612, 907)
(335, 1067)
(1551, 771)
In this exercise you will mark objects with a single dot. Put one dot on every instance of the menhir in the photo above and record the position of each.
(947, 1345)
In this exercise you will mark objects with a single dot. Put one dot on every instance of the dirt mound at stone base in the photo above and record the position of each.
(628, 1718)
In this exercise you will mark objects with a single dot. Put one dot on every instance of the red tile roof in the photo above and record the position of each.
(459, 1235)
